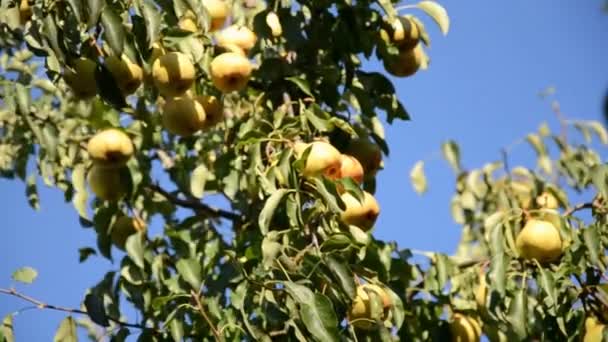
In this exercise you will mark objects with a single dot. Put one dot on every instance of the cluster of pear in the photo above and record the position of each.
(364, 313)
(362, 158)
(108, 178)
(174, 74)
(405, 34)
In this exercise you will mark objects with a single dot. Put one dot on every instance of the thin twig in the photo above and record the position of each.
(196, 205)
(41, 305)
(201, 308)
(578, 207)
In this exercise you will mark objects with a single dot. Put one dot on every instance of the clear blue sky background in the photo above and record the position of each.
(480, 90)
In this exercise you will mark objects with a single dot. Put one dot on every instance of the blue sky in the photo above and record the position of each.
(480, 90)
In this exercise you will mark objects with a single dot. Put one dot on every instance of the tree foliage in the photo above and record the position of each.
(145, 109)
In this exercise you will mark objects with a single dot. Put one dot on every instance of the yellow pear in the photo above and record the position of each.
(173, 74)
(323, 159)
(464, 329)
(272, 20)
(351, 167)
(539, 240)
(404, 33)
(108, 184)
(361, 214)
(82, 78)
(481, 292)
(406, 63)
(125, 226)
(547, 200)
(387, 301)
(360, 313)
(218, 11)
(214, 110)
(237, 36)
(594, 331)
(128, 75)
(367, 153)
(230, 71)
(25, 11)
(188, 22)
(110, 148)
(183, 116)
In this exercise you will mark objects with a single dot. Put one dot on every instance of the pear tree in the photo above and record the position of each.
(158, 110)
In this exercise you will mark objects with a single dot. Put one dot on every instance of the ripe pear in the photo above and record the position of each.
(481, 292)
(547, 200)
(407, 62)
(125, 226)
(110, 148)
(82, 78)
(387, 301)
(188, 22)
(272, 20)
(237, 36)
(362, 215)
(539, 240)
(230, 71)
(218, 11)
(360, 313)
(404, 33)
(323, 159)
(173, 74)
(367, 153)
(128, 75)
(25, 11)
(351, 167)
(594, 331)
(214, 110)
(183, 116)
(464, 329)
(109, 184)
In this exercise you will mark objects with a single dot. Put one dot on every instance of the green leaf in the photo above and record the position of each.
(84, 253)
(270, 251)
(599, 177)
(198, 180)
(301, 83)
(320, 319)
(547, 283)
(31, 191)
(25, 275)
(93, 302)
(592, 242)
(177, 329)
(113, 30)
(517, 314)
(269, 208)
(135, 249)
(600, 131)
(300, 293)
(537, 143)
(418, 178)
(438, 13)
(190, 271)
(76, 9)
(152, 19)
(342, 273)
(6, 329)
(451, 153)
(330, 199)
(66, 331)
(94, 11)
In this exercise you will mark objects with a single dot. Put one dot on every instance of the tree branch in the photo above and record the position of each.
(201, 308)
(195, 205)
(578, 207)
(41, 305)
